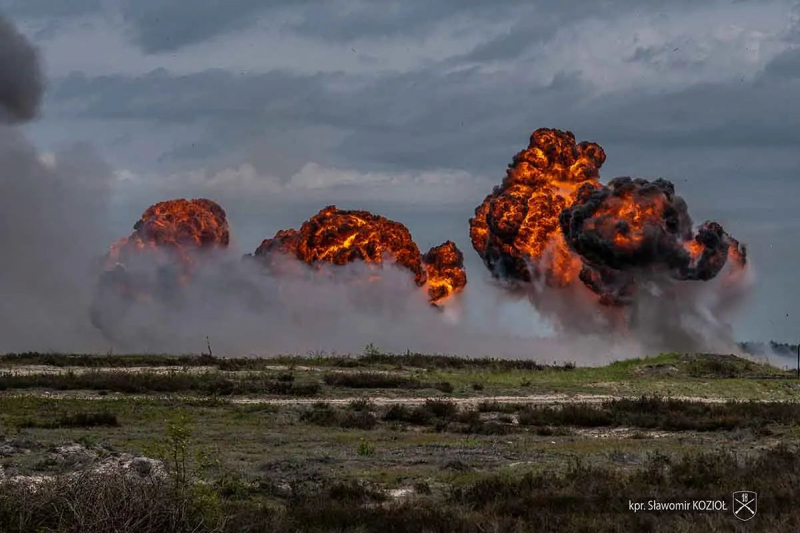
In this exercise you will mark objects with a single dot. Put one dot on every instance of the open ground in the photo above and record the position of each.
(392, 443)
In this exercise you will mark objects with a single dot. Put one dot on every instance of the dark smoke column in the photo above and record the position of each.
(21, 84)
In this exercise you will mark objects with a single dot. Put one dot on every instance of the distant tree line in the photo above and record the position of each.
(761, 348)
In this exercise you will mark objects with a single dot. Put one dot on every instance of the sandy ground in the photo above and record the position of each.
(533, 399)
(27, 370)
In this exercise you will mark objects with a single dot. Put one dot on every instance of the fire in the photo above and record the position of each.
(445, 267)
(339, 237)
(551, 219)
(168, 236)
(516, 228)
(171, 230)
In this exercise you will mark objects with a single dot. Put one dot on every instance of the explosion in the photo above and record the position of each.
(551, 220)
(173, 229)
(633, 225)
(339, 237)
(444, 265)
(168, 235)
(516, 228)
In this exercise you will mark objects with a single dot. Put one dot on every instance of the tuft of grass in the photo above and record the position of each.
(666, 414)
(361, 404)
(207, 383)
(323, 414)
(370, 380)
(366, 448)
(432, 412)
(77, 420)
(444, 386)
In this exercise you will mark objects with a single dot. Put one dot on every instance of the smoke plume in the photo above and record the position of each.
(21, 83)
(50, 214)
(551, 230)
(346, 278)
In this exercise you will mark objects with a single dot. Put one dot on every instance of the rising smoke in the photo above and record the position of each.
(21, 84)
(50, 211)
(623, 257)
(176, 280)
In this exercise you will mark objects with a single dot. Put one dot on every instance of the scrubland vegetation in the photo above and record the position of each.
(391, 443)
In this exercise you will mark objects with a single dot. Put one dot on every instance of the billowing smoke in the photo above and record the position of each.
(633, 226)
(273, 301)
(51, 217)
(552, 230)
(346, 277)
(162, 254)
(21, 83)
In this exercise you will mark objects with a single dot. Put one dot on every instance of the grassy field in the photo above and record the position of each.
(391, 443)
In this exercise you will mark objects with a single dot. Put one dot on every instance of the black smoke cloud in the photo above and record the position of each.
(656, 238)
(21, 84)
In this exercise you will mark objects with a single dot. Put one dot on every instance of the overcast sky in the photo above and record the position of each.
(414, 108)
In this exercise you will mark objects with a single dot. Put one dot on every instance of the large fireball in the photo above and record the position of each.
(174, 226)
(339, 237)
(516, 230)
(552, 220)
(159, 256)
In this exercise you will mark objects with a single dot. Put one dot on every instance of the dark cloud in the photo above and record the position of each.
(427, 118)
(159, 26)
(49, 9)
(166, 25)
(208, 95)
(21, 83)
(784, 65)
(346, 21)
(416, 120)
(511, 44)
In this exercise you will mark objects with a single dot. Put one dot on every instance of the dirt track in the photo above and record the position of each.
(534, 399)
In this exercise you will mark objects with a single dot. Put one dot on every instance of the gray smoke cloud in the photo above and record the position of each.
(245, 308)
(51, 206)
(21, 84)
(52, 236)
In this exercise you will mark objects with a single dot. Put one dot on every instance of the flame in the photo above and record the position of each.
(551, 219)
(339, 237)
(516, 228)
(444, 265)
(171, 230)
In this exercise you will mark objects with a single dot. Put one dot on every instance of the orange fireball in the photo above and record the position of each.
(340, 237)
(552, 220)
(173, 228)
(516, 229)
(445, 267)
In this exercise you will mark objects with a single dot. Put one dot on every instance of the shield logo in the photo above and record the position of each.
(745, 504)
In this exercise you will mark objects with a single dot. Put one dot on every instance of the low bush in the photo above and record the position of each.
(371, 380)
(77, 420)
(323, 414)
(582, 498)
(206, 383)
(666, 414)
